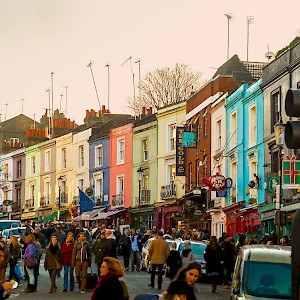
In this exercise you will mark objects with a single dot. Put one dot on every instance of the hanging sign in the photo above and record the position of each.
(180, 152)
(218, 182)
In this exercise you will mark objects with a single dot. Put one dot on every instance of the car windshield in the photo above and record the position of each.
(274, 280)
(15, 231)
(8, 224)
(198, 249)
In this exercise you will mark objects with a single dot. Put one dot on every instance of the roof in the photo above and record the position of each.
(234, 67)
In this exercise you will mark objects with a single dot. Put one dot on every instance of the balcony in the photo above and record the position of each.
(63, 200)
(29, 203)
(45, 201)
(117, 200)
(98, 200)
(145, 198)
(168, 191)
(16, 206)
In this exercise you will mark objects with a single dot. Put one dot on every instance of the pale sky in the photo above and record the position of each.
(38, 37)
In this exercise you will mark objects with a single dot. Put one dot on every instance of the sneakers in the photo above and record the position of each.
(82, 292)
(126, 269)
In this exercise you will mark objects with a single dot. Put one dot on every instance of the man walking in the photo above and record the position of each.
(125, 247)
(81, 259)
(135, 254)
(159, 251)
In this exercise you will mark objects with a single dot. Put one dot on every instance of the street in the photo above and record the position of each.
(136, 282)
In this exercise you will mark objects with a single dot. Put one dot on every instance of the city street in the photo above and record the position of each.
(136, 281)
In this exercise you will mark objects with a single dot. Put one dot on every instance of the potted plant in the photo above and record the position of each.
(252, 201)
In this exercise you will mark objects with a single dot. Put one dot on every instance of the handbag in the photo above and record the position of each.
(30, 263)
(58, 266)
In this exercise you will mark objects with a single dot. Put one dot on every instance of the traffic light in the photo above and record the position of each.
(292, 128)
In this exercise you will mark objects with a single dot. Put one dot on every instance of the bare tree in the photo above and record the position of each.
(165, 86)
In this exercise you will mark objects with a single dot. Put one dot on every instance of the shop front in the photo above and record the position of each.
(118, 217)
(147, 217)
(250, 223)
(290, 211)
(29, 216)
(169, 215)
(266, 215)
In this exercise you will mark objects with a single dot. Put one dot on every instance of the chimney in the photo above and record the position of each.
(143, 110)
(149, 111)
(87, 113)
(103, 109)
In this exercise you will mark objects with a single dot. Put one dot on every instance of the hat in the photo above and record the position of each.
(179, 287)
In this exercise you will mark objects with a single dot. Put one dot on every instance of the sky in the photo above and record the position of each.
(40, 37)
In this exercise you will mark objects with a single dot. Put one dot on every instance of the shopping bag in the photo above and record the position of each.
(18, 272)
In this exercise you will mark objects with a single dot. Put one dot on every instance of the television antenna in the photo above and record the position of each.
(90, 66)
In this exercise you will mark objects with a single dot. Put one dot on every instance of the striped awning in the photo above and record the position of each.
(114, 212)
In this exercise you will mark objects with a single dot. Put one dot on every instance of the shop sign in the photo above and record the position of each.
(189, 139)
(272, 182)
(180, 152)
(267, 214)
(218, 182)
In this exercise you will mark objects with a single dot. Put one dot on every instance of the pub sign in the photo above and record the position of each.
(180, 152)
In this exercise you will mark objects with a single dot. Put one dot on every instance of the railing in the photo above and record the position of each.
(45, 201)
(117, 200)
(98, 200)
(29, 203)
(168, 191)
(16, 207)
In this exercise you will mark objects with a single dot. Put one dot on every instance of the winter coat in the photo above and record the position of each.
(6, 253)
(159, 251)
(110, 288)
(38, 250)
(52, 259)
(29, 252)
(229, 255)
(186, 259)
(213, 258)
(66, 253)
(82, 252)
(99, 250)
(110, 248)
(125, 244)
(15, 252)
(174, 262)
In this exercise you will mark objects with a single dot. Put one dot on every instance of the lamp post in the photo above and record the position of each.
(59, 181)
(140, 174)
(279, 129)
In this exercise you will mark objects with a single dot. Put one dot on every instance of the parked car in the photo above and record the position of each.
(262, 272)
(145, 260)
(7, 233)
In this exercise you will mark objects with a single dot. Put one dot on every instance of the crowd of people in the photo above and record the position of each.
(69, 247)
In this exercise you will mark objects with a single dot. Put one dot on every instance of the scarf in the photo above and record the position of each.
(53, 248)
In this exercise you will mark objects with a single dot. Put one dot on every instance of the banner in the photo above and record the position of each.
(86, 203)
(180, 152)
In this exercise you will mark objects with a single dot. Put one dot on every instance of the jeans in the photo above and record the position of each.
(135, 259)
(68, 270)
(226, 276)
(12, 273)
(159, 275)
(30, 273)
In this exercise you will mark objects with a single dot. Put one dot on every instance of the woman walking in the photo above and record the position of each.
(66, 256)
(53, 261)
(213, 256)
(15, 255)
(174, 261)
(109, 285)
(30, 256)
(99, 250)
(187, 254)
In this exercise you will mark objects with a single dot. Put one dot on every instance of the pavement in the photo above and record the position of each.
(137, 283)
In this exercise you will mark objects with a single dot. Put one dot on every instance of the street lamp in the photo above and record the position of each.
(279, 129)
(140, 176)
(59, 181)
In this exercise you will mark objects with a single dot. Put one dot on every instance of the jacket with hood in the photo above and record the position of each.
(81, 252)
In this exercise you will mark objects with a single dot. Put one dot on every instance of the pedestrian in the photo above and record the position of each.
(109, 285)
(135, 254)
(240, 243)
(29, 255)
(228, 260)
(40, 237)
(61, 237)
(254, 240)
(53, 261)
(125, 246)
(110, 247)
(99, 250)
(81, 259)
(15, 255)
(285, 241)
(158, 251)
(117, 234)
(5, 262)
(174, 261)
(146, 237)
(38, 256)
(187, 254)
(213, 256)
(189, 274)
(66, 257)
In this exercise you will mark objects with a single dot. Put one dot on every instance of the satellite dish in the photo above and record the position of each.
(270, 55)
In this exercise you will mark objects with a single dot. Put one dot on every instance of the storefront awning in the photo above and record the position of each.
(53, 215)
(114, 212)
(94, 213)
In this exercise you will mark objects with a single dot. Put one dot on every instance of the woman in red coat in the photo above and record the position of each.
(66, 255)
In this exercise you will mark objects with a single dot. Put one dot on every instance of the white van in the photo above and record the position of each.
(262, 272)
(7, 224)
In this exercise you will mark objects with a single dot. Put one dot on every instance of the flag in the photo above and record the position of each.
(86, 203)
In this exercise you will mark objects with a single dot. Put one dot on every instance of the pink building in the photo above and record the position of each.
(120, 173)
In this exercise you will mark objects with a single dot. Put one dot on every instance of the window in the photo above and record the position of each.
(47, 160)
(120, 184)
(197, 172)
(171, 173)
(14, 140)
(234, 178)
(46, 192)
(145, 149)
(31, 194)
(275, 108)
(98, 189)
(5, 171)
(172, 137)
(219, 134)
(145, 181)
(19, 168)
(63, 158)
(81, 155)
(99, 156)
(205, 123)
(33, 165)
(233, 135)
(252, 125)
(120, 151)
(80, 184)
